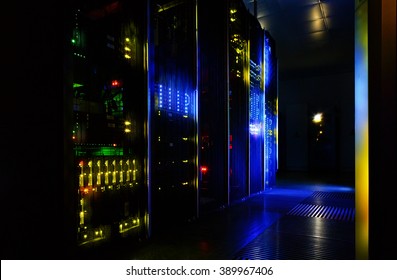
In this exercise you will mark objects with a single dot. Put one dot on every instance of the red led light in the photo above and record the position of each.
(115, 83)
(85, 190)
(204, 169)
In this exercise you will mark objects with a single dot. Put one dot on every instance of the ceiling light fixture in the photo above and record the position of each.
(320, 4)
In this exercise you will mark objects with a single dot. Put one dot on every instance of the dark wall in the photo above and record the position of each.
(299, 100)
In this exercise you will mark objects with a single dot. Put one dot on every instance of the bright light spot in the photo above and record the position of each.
(255, 129)
(204, 169)
(317, 118)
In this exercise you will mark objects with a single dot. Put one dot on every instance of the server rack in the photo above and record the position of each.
(213, 105)
(271, 109)
(239, 65)
(108, 116)
(173, 112)
(236, 158)
(256, 108)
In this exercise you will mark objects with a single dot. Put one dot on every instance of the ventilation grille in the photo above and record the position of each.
(334, 195)
(325, 212)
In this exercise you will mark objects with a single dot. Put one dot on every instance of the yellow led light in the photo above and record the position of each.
(318, 118)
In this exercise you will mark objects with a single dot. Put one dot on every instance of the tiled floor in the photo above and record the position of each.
(302, 217)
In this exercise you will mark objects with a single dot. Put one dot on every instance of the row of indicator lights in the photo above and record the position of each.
(169, 100)
(116, 174)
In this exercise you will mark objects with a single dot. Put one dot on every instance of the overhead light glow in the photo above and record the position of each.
(318, 118)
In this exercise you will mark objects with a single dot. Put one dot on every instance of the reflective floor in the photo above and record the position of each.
(305, 216)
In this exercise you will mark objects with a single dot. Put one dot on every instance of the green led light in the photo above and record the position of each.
(99, 151)
(73, 41)
(76, 85)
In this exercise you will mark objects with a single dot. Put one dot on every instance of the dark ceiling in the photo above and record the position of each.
(312, 36)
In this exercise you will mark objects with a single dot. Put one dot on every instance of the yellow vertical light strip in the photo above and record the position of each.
(361, 130)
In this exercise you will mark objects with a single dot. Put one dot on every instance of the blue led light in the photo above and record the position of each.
(256, 97)
(175, 101)
(160, 96)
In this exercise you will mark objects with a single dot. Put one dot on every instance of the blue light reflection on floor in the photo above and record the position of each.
(261, 220)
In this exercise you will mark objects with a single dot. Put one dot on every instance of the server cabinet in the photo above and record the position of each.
(173, 113)
(256, 108)
(213, 104)
(108, 116)
(239, 63)
(271, 109)
(232, 104)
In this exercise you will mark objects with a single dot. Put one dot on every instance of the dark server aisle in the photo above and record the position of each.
(304, 216)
